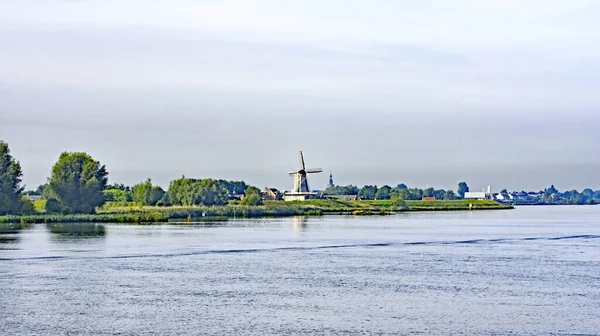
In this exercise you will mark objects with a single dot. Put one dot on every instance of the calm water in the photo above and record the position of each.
(529, 271)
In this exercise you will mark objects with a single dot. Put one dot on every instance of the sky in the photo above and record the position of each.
(426, 93)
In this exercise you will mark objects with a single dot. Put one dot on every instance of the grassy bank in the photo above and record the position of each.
(137, 214)
(337, 206)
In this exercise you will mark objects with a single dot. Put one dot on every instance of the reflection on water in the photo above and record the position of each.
(299, 223)
(77, 229)
(9, 232)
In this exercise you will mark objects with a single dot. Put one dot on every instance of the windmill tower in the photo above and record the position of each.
(301, 189)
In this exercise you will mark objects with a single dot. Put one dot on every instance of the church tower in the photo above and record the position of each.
(330, 184)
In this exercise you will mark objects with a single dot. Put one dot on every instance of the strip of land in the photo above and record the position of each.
(146, 214)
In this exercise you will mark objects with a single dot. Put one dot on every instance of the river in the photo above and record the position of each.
(528, 271)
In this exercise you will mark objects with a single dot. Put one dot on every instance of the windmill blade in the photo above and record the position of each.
(293, 173)
(314, 170)
(301, 161)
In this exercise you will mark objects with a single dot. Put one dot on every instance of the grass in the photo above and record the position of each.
(128, 213)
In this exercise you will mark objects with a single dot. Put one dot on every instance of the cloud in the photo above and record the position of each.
(390, 86)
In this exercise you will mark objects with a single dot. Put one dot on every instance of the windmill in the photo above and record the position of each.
(301, 189)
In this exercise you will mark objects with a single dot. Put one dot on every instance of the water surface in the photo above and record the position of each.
(528, 271)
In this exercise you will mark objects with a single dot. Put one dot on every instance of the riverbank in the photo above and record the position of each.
(137, 214)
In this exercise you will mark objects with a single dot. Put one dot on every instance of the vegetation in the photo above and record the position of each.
(252, 196)
(462, 189)
(147, 194)
(186, 191)
(11, 191)
(552, 196)
(401, 191)
(77, 183)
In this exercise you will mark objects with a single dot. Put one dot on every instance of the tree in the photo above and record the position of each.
(53, 206)
(429, 192)
(252, 190)
(118, 195)
(212, 193)
(334, 190)
(145, 193)
(77, 182)
(449, 195)
(588, 193)
(462, 189)
(550, 191)
(252, 199)
(350, 190)
(252, 196)
(11, 191)
(401, 186)
(341, 190)
(414, 194)
(367, 192)
(383, 193)
(188, 192)
(439, 194)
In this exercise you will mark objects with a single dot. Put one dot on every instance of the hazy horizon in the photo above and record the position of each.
(501, 93)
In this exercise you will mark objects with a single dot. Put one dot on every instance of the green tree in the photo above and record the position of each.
(367, 192)
(118, 195)
(53, 206)
(252, 190)
(145, 193)
(383, 193)
(252, 199)
(252, 196)
(212, 193)
(11, 191)
(341, 190)
(439, 194)
(414, 194)
(188, 192)
(181, 191)
(401, 186)
(350, 190)
(449, 195)
(77, 182)
(462, 189)
(429, 192)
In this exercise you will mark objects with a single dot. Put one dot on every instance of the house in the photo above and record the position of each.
(426, 198)
(33, 198)
(480, 195)
(517, 196)
(272, 194)
(236, 197)
(501, 197)
(476, 195)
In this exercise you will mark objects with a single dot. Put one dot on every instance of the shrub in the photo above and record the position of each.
(53, 206)
(252, 199)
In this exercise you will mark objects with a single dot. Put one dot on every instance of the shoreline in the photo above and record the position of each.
(271, 209)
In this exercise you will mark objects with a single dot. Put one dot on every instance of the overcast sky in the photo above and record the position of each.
(428, 93)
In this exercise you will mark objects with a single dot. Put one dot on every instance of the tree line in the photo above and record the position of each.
(79, 184)
(401, 191)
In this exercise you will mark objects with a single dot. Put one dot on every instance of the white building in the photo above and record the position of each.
(479, 195)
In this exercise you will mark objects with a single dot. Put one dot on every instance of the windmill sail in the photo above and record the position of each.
(302, 166)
